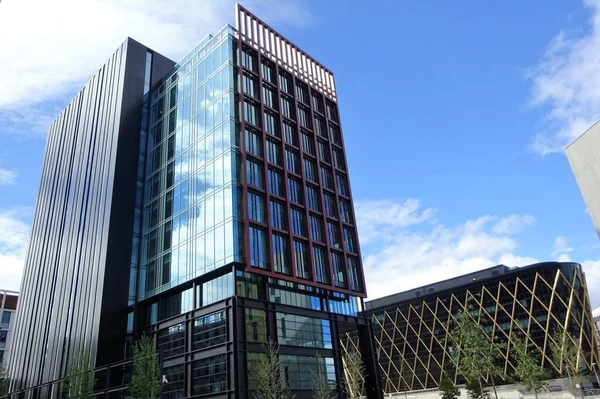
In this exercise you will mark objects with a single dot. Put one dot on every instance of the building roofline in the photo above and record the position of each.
(582, 134)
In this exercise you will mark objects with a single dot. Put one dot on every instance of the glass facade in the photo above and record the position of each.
(296, 330)
(298, 371)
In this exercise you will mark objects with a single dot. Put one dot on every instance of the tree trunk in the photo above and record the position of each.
(481, 387)
(494, 386)
(535, 391)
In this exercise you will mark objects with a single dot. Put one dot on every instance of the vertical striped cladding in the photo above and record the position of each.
(77, 264)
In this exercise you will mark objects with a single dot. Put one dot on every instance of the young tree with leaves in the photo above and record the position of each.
(476, 353)
(355, 374)
(146, 379)
(321, 386)
(475, 390)
(271, 383)
(566, 356)
(448, 390)
(528, 367)
(79, 381)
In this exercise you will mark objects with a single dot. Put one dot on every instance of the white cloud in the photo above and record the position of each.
(7, 176)
(14, 238)
(567, 82)
(412, 255)
(561, 246)
(61, 44)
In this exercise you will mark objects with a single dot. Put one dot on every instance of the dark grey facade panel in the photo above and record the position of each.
(74, 290)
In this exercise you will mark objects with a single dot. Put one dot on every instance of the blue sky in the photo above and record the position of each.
(455, 117)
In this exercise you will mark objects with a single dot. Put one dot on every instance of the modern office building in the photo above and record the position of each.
(206, 202)
(8, 306)
(584, 157)
(411, 327)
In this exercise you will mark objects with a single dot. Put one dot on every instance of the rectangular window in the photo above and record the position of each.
(330, 206)
(302, 92)
(171, 341)
(333, 233)
(209, 330)
(295, 191)
(251, 113)
(256, 325)
(280, 250)
(334, 135)
(289, 133)
(5, 322)
(287, 107)
(345, 211)
(304, 117)
(338, 159)
(276, 185)
(316, 228)
(249, 59)
(332, 111)
(337, 265)
(285, 82)
(269, 97)
(299, 370)
(320, 128)
(302, 259)
(278, 215)
(317, 102)
(354, 274)
(273, 152)
(250, 85)
(308, 144)
(314, 199)
(254, 173)
(176, 377)
(310, 170)
(321, 265)
(306, 332)
(217, 289)
(253, 142)
(326, 178)
(324, 155)
(297, 221)
(271, 124)
(268, 71)
(350, 240)
(258, 248)
(292, 161)
(209, 375)
(342, 184)
(256, 207)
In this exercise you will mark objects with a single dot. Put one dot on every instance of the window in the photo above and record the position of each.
(299, 371)
(251, 113)
(295, 191)
(334, 135)
(310, 170)
(254, 175)
(278, 215)
(297, 221)
(317, 101)
(209, 375)
(302, 259)
(171, 341)
(332, 111)
(287, 107)
(308, 144)
(304, 117)
(258, 248)
(291, 161)
(324, 155)
(337, 264)
(307, 332)
(253, 143)
(273, 152)
(338, 159)
(330, 208)
(5, 322)
(285, 82)
(320, 126)
(276, 185)
(345, 212)
(350, 240)
(280, 250)
(321, 265)
(250, 85)
(302, 92)
(333, 233)
(175, 388)
(289, 133)
(342, 184)
(326, 178)
(256, 207)
(271, 125)
(217, 289)
(249, 59)
(316, 228)
(176, 304)
(269, 97)
(268, 71)
(167, 235)
(354, 274)
(256, 325)
(209, 330)
(314, 199)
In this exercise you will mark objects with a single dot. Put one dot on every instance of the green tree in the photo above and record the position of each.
(271, 382)
(146, 378)
(321, 386)
(79, 381)
(475, 390)
(3, 380)
(566, 356)
(355, 374)
(528, 367)
(475, 352)
(448, 390)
